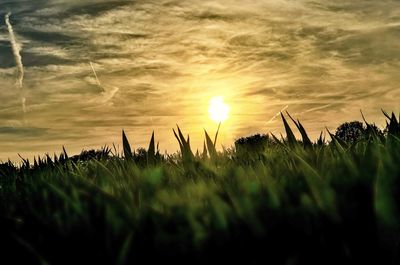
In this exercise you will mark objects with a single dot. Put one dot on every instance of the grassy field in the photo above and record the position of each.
(276, 201)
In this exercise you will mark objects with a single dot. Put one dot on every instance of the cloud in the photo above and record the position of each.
(324, 59)
(23, 131)
(16, 48)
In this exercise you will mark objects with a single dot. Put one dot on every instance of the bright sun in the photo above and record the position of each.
(218, 109)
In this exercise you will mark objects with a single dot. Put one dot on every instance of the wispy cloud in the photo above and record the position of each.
(16, 49)
(163, 58)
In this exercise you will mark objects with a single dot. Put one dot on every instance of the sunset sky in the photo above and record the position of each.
(160, 62)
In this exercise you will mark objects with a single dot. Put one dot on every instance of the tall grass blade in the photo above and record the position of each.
(210, 146)
(151, 153)
(179, 141)
(279, 142)
(126, 147)
(25, 162)
(216, 135)
(204, 154)
(65, 153)
(371, 131)
(183, 140)
(306, 140)
(289, 133)
(321, 140)
(184, 144)
(340, 145)
(393, 124)
(386, 114)
(276, 139)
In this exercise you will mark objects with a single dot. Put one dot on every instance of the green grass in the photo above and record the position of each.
(289, 202)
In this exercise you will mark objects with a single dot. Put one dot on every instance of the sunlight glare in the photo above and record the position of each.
(218, 109)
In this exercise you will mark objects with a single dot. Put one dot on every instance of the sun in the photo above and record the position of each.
(218, 110)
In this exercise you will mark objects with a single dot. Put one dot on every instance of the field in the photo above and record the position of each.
(275, 200)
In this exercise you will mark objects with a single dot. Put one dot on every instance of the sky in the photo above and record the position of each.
(159, 62)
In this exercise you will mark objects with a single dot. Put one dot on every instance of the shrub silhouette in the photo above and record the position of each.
(253, 146)
(352, 132)
(87, 155)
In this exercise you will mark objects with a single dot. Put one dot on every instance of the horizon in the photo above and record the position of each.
(117, 148)
(90, 68)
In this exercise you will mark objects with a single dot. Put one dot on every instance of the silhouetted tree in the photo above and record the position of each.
(87, 155)
(140, 156)
(253, 146)
(355, 131)
(350, 131)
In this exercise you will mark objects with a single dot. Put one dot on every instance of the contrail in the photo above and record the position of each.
(97, 78)
(106, 94)
(318, 108)
(276, 115)
(16, 49)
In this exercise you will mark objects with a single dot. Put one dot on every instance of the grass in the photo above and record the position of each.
(289, 202)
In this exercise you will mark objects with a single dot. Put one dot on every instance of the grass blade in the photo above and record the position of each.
(216, 134)
(306, 140)
(289, 133)
(204, 155)
(127, 147)
(184, 144)
(151, 153)
(179, 141)
(210, 146)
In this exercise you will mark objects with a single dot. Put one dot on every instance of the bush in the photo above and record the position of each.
(352, 132)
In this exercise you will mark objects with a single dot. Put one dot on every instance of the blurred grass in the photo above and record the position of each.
(288, 201)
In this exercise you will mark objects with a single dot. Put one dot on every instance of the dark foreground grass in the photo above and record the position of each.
(289, 202)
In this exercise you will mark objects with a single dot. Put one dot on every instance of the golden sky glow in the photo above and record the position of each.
(95, 67)
(218, 110)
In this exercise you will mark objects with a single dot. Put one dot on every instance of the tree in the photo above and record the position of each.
(253, 144)
(352, 132)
